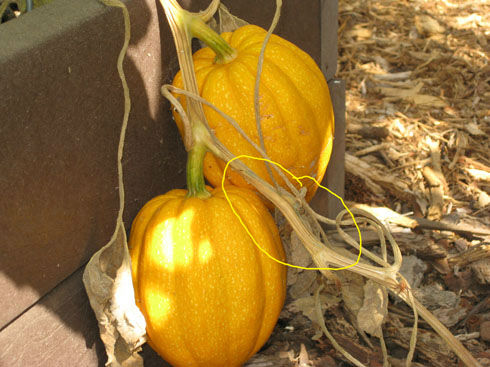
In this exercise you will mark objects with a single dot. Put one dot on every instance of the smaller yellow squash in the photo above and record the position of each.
(209, 296)
(295, 106)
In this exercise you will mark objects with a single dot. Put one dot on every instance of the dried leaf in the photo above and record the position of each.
(227, 21)
(297, 253)
(108, 283)
(433, 296)
(352, 291)
(413, 270)
(306, 305)
(450, 316)
(304, 282)
(374, 309)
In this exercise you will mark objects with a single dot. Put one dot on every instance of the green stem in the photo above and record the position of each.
(199, 29)
(195, 175)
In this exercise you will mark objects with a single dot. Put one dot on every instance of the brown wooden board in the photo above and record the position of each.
(61, 107)
(299, 22)
(324, 202)
(328, 30)
(60, 330)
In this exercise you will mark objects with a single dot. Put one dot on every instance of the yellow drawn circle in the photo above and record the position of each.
(298, 179)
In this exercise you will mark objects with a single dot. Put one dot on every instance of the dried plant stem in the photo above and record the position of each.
(321, 320)
(182, 38)
(167, 88)
(127, 109)
(111, 293)
(258, 75)
(386, 363)
(413, 337)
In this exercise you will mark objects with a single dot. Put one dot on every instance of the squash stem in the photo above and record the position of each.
(195, 177)
(199, 29)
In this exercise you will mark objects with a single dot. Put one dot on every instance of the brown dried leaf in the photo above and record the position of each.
(306, 305)
(227, 21)
(303, 284)
(298, 280)
(107, 280)
(297, 253)
(374, 309)
(352, 291)
(433, 296)
(413, 270)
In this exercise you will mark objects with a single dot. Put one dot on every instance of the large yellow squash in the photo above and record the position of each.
(295, 106)
(209, 296)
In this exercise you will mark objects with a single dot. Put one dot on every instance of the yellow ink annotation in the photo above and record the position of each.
(298, 179)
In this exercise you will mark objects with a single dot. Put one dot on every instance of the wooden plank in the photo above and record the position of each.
(60, 330)
(328, 31)
(323, 202)
(61, 111)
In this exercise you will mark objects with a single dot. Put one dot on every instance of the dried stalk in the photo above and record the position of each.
(260, 63)
(337, 346)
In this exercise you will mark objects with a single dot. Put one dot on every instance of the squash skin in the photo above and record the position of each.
(209, 296)
(295, 106)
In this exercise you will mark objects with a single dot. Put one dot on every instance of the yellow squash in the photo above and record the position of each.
(295, 107)
(209, 296)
